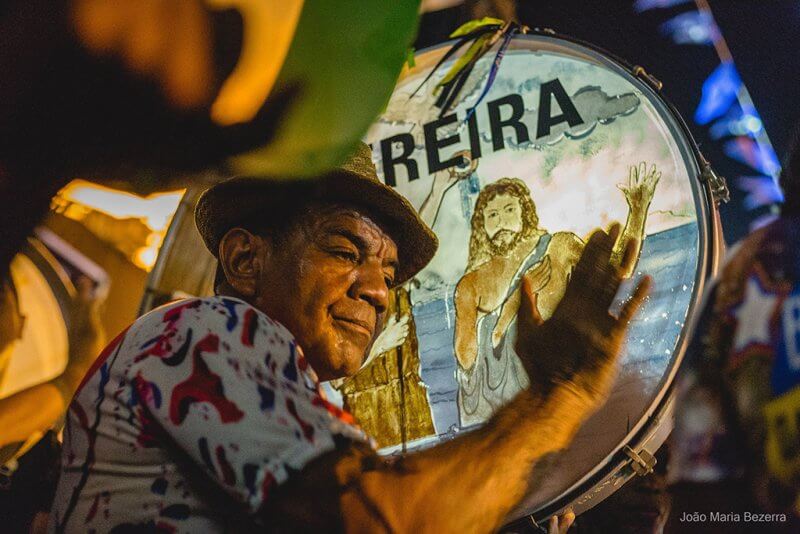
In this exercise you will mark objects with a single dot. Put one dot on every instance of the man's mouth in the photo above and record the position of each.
(504, 234)
(503, 238)
(355, 325)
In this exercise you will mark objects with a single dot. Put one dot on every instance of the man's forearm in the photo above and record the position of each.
(634, 230)
(507, 313)
(429, 209)
(468, 484)
(471, 483)
(38, 408)
(466, 331)
(31, 410)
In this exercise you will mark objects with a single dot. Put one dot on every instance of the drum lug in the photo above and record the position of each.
(642, 462)
(649, 79)
(717, 183)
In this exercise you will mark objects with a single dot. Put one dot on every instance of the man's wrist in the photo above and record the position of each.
(541, 424)
(567, 408)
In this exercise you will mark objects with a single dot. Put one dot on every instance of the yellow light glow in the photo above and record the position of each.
(146, 257)
(155, 211)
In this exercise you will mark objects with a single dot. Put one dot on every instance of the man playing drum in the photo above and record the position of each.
(206, 415)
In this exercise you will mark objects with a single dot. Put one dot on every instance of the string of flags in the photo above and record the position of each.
(726, 107)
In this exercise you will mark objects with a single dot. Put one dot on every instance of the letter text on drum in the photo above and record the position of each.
(515, 120)
(404, 158)
(506, 116)
(433, 144)
(546, 120)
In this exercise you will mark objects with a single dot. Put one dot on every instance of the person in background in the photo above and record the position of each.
(11, 322)
(29, 467)
(736, 443)
(38, 408)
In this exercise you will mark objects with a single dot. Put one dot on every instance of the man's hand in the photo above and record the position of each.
(578, 347)
(86, 334)
(392, 336)
(169, 43)
(641, 186)
(538, 277)
(447, 178)
(559, 524)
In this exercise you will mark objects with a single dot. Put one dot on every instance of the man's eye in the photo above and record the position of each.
(348, 255)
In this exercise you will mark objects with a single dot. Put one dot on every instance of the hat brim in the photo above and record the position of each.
(228, 204)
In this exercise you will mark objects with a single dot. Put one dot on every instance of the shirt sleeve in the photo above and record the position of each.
(232, 389)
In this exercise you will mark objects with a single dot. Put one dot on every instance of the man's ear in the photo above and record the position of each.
(241, 257)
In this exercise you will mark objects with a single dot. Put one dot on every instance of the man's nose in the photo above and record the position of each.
(371, 287)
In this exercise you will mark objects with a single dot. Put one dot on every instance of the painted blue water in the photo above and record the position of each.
(670, 257)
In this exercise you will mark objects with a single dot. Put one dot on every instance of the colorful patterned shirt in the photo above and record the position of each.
(738, 406)
(196, 398)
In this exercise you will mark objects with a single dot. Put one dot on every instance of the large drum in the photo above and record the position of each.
(513, 180)
(567, 139)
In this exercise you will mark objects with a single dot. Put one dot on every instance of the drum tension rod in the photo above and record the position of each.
(642, 462)
(717, 183)
(651, 80)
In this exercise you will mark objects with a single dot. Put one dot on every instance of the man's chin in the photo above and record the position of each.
(503, 243)
(332, 365)
(350, 360)
(355, 364)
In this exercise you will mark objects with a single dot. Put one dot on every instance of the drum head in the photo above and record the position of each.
(566, 140)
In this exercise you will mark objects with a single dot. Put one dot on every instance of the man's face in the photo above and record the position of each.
(502, 220)
(328, 283)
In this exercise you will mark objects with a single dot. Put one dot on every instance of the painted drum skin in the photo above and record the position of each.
(566, 140)
(557, 147)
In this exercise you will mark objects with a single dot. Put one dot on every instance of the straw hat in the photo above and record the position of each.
(230, 203)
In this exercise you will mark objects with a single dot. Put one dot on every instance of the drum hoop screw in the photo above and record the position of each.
(642, 462)
(651, 80)
(717, 183)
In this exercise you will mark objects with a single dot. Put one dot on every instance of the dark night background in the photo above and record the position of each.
(763, 36)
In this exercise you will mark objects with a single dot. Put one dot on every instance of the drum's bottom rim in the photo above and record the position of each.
(616, 471)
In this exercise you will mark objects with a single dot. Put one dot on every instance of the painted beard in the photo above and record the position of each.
(504, 242)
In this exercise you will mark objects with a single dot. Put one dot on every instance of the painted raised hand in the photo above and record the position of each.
(641, 186)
